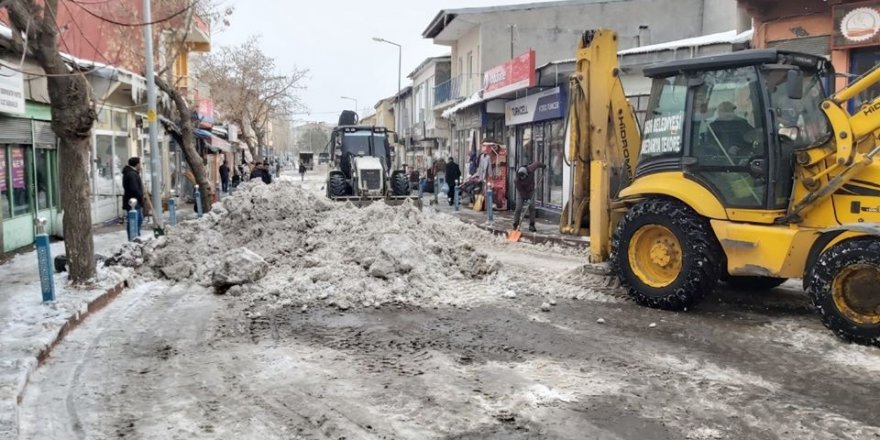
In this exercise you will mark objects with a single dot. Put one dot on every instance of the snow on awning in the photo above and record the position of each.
(729, 37)
(474, 99)
(213, 142)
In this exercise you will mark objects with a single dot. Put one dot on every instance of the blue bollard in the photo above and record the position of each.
(172, 211)
(198, 195)
(421, 189)
(133, 220)
(457, 196)
(490, 204)
(436, 188)
(44, 262)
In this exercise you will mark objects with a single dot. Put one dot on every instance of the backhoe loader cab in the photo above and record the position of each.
(361, 166)
(747, 172)
(733, 123)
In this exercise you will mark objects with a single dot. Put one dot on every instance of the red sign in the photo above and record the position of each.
(206, 113)
(518, 73)
(17, 167)
(2, 169)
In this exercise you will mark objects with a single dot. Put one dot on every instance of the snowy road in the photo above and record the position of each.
(172, 361)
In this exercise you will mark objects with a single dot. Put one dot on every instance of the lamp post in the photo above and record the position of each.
(352, 99)
(399, 117)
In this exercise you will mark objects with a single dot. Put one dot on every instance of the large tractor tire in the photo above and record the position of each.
(337, 186)
(400, 185)
(755, 284)
(843, 287)
(666, 255)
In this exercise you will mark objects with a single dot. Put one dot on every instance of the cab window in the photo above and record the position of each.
(728, 136)
(661, 133)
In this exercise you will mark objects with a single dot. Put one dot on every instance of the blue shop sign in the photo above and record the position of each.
(542, 106)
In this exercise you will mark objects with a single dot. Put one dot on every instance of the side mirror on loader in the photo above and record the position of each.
(795, 84)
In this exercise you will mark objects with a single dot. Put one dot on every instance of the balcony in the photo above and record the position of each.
(458, 88)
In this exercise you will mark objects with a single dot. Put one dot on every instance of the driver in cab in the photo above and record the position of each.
(732, 131)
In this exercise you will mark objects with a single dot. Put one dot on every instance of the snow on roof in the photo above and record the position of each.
(476, 98)
(729, 37)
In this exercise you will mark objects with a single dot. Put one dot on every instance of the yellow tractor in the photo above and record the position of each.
(746, 170)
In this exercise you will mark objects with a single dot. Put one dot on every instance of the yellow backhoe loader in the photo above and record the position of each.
(744, 171)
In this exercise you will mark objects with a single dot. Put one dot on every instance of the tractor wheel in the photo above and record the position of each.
(337, 186)
(755, 284)
(400, 184)
(666, 255)
(843, 287)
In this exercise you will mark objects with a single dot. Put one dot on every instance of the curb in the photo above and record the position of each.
(535, 238)
(29, 366)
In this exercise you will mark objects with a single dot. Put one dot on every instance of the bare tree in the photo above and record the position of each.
(73, 113)
(249, 90)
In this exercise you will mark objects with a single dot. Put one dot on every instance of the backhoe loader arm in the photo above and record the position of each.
(604, 141)
(855, 146)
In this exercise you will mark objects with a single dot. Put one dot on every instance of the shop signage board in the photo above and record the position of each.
(11, 91)
(516, 74)
(17, 168)
(538, 107)
(856, 25)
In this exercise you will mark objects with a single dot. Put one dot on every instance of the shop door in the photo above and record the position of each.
(861, 62)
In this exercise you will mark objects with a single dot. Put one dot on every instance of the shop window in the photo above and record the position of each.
(19, 177)
(4, 183)
(45, 160)
(104, 164)
(120, 121)
(104, 121)
(121, 154)
(556, 162)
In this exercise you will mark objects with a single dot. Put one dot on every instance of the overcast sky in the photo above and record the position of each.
(333, 39)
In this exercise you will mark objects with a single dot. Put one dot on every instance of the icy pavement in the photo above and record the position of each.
(28, 327)
(455, 353)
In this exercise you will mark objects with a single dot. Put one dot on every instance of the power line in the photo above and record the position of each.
(119, 23)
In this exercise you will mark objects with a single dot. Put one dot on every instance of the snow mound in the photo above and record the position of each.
(321, 252)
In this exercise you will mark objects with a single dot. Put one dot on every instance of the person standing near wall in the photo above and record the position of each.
(133, 188)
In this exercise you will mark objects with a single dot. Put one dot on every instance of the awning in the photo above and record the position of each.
(213, 142)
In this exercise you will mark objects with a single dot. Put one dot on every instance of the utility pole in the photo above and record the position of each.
(152, 118)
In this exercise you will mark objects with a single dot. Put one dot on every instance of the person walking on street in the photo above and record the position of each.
(453, 175)
(133, 188)
(525, 194)
(302, 171)
(224, 177)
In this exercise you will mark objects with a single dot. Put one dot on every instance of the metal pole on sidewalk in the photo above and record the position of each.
(152, 118)
(44, 261)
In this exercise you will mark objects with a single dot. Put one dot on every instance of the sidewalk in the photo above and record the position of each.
(548, 232)
(30, 329)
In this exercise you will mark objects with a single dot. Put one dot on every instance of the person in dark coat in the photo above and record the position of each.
(453, 177)
(525, 194)
(258, 172)
(133, 188)
(224, 177)
(302, 171)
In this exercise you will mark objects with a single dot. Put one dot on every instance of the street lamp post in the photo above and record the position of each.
(355, 102)
(398, 116)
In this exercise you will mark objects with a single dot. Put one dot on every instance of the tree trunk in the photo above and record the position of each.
(193, 159)
(255, 153)
(72, 118)
(261, 143)
(76, 204)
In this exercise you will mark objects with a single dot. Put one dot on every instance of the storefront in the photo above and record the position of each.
(28, 175)
(540, 136)
(466, 134)
(847, 32)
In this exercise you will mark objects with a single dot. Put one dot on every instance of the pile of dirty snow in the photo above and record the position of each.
(282, 246)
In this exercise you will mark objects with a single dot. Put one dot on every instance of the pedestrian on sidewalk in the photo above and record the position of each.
(525, 194)
(453, 175)
(224, 177)
(133, 188)
(302, 171)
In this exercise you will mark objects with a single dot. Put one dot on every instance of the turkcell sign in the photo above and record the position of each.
(542, 106)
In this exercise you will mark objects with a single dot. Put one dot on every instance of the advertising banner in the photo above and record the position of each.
(17, 157)
(2, 169)
(11, 91)
(518, 73)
